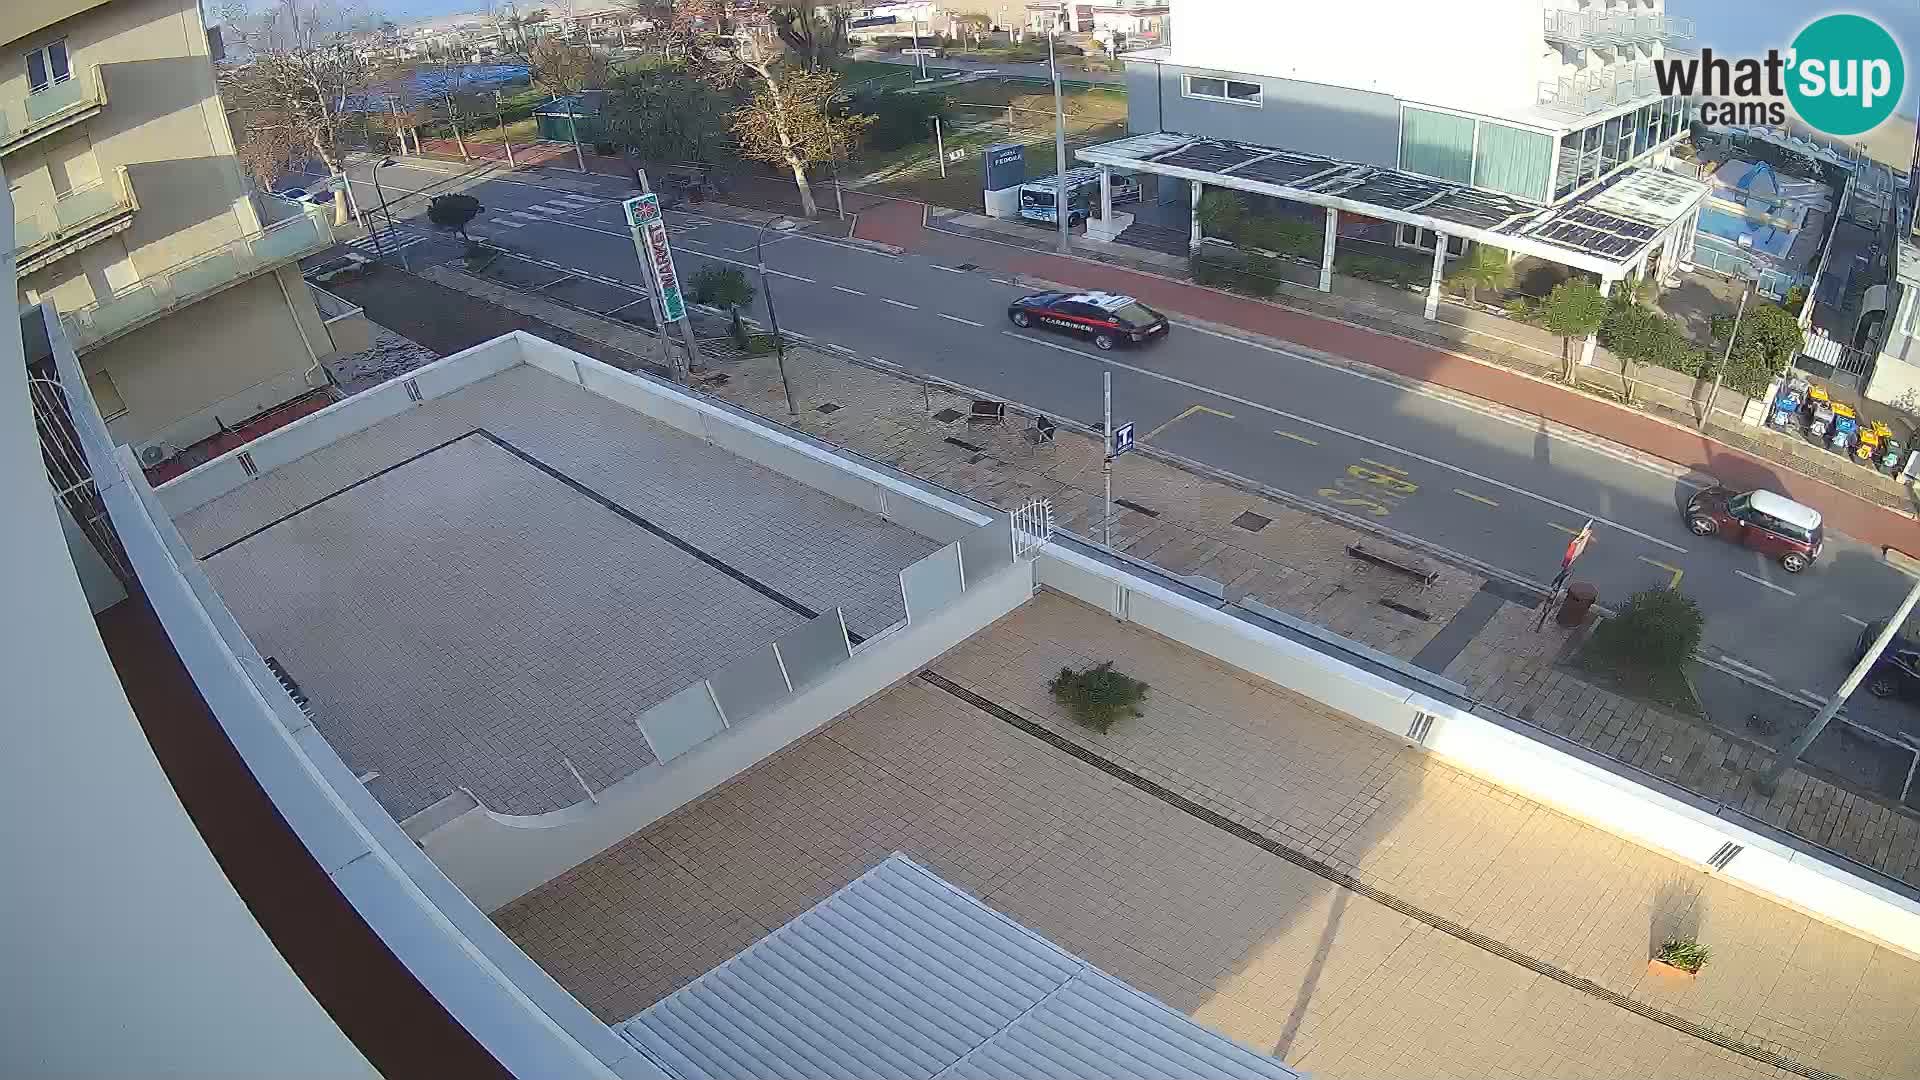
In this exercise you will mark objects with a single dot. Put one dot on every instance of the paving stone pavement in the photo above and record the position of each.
(1336, 981)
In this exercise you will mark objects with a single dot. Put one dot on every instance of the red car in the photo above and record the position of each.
(1771, 524)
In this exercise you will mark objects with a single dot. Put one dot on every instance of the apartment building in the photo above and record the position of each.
(132, 218)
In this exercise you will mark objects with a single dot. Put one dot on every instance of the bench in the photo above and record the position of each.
(987, 412)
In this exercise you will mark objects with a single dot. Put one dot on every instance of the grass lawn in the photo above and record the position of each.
(915, 173)
(856, 72)
(520, 131)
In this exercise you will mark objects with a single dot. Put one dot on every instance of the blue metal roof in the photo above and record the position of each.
(900, 975)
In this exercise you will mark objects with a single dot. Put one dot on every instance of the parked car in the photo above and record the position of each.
(302, 195)
(1897, 672)
(1771, 524)
(1107, 318)
(346, 266)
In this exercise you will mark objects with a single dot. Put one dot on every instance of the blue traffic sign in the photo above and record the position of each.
(1122, 441)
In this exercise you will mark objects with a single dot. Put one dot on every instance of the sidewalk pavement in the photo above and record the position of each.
(1297, 562)
(903, 224)
(1288, 876)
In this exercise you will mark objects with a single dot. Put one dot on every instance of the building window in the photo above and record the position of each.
(1229, 90)
(1512, 160)
(106, 396)
(47, 66)
(1413, 236)
(1437, 144)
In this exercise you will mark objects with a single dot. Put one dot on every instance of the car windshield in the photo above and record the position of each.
(1740, 505)
(1135, 314)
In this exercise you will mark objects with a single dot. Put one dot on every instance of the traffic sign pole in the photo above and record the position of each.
(1106, 459)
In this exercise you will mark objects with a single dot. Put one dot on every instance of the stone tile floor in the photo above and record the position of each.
(1336, 981)
(467, 619)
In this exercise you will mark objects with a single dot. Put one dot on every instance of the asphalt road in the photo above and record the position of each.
(1499, 488)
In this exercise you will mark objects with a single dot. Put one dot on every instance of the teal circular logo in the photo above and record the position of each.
(1846, 75)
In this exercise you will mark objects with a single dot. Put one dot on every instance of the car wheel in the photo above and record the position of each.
(1882, 686)
(1702, 526)
(1103, 342)
(1793, 562)
(1021, 319)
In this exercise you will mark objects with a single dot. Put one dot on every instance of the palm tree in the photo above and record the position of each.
(1482, 267)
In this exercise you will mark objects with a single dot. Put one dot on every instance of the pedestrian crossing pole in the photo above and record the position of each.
(1106, 459)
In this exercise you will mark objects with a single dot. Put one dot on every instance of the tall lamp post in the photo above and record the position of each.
(785, 225)
(391, 235)
(1740, 313)
(1062, 213)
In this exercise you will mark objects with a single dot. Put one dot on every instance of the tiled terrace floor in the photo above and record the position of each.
(460, 616)
(1371, 982)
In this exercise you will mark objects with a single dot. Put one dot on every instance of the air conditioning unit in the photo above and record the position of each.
(153, 455)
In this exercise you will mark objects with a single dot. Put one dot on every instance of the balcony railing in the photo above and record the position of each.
(202, 275)
(1593, 28)
(38, 231)
(50, 109)
(1600, 89)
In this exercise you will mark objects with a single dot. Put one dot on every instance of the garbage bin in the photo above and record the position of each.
(1573, 609)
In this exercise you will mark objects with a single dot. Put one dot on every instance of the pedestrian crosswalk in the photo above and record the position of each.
(390, 240)
(560, 208)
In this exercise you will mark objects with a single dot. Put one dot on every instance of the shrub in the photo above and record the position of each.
(1523, 309)
(1657, 630)
(1222, 213)
(1099, 695)
(1383, 270)
(1684, 953)
(1636, 332)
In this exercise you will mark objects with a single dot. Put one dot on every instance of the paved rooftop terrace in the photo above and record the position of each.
(505, 577)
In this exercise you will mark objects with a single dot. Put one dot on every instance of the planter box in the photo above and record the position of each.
(1665, 973)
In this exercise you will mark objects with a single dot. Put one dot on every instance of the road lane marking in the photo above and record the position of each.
(1400, 450)
(1000, 281)
(1189, 411)
(1475, 498)
(948, 269)
(844, 289)
(692, 243)
(1382, 465)
(1564, 529)
(1449, 397)
(1748, 668)
(956, 318)
(899, 303)
(1295, 438)
(1861, 623)
(1672, 583)
(625, 306)
(836, 348)
(1764, 582)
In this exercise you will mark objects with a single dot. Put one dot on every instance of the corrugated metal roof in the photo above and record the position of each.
(901, 975)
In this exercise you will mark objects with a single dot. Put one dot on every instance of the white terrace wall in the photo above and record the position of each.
(1565, 776)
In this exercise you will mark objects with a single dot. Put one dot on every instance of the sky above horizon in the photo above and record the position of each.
(1732, 27)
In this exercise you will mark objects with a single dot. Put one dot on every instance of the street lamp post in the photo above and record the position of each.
(1062, 214)
(1745, 295)
(773, 316)
(391, 235)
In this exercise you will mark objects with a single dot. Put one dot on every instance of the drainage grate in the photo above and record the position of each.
(1134, 506)
(1252, 522)
(829, 407)
(948, 416)
(1379, 896)
(1725, 855)
(965, 445)
(1403, 609)
(1421, 727)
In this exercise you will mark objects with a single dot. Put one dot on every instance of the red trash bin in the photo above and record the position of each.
(1579, 600)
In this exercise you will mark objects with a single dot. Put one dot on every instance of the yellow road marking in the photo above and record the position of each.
(1191, 409)
(1674, 570)
(1295, 438)
(1564, 529)
(1475, 498)
(1382, 465)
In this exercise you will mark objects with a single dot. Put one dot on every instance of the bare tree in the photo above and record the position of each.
(791, 121)
(568, 71)
(293, 99)
(816, 33)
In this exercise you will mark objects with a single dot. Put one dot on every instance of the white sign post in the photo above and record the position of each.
(649, 228)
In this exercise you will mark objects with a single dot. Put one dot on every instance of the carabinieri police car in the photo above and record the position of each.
(1108, 318)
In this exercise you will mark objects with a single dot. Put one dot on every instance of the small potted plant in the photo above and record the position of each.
(1099, 695)
(1679, 958)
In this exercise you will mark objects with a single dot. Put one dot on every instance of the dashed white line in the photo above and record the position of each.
(1296, 418)
(899, 303)
(836, 348)
(958, 319)
(1000, 281)
(844, 289)
(1748, 668)
(948, 269)
(1861, 623)
(1763, 582)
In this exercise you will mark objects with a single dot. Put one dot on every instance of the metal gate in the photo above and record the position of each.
(68, 472)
